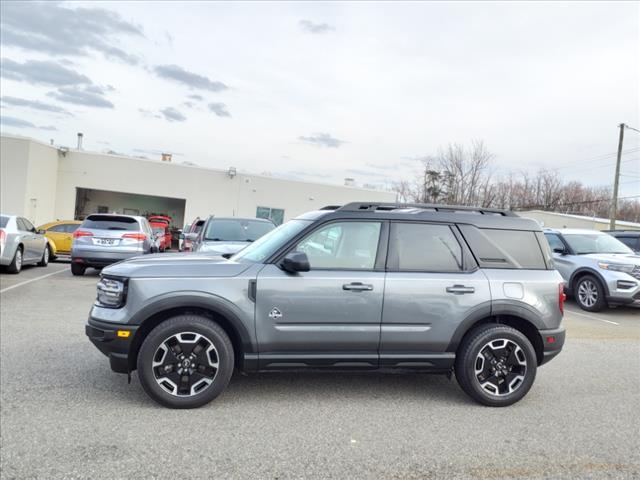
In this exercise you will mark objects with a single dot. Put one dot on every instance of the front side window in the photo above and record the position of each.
(343, 245)
(62, 228)
(554, 241)
(28, 226)
(424, 247)
(585, 243)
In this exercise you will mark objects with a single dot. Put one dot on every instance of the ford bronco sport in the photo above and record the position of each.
(396, 287)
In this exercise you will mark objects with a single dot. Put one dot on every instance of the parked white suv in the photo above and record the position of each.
(599, 269)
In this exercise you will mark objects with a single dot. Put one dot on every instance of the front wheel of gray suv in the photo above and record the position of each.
(496, 365)
(589, 294)
(185, 362)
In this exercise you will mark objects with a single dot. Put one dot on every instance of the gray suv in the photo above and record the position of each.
(418, 288)
(103, 239)
(599, 269)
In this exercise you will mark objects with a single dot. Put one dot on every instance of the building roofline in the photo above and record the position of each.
(181, 165)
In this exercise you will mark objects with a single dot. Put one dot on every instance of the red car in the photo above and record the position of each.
(160, 225)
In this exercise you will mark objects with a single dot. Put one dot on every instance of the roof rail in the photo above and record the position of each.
(331, 207)
(384, 206)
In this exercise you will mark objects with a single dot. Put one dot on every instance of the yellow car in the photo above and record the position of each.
(59, 235)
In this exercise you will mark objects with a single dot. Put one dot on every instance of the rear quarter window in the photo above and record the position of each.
(3, 221)
(497, 248)
(110, 222)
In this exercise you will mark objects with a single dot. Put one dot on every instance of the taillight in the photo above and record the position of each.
(82, 233)
(3, 237)
(561, 297)
(135, 236)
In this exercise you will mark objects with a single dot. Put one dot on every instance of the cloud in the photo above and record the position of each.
(55, 29)
(34, 104)
(318, 28)
(220, 109)
(323, 140)
(172, 114)
(195, 96)
(19, 123)
(89, 96)
(190, 79)
(41, 73)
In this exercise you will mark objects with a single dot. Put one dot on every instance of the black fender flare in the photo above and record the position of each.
(590, 271)
(513, 308)
(198, 300)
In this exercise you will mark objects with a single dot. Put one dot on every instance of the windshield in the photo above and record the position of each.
(584, 243)
(265, 246)
(231, 230)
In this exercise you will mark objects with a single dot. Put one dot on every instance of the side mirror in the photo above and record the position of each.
(191, 236)
(561, 251)
(295, 262)
(40, 232)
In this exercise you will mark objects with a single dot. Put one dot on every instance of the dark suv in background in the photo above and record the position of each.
(631, 238)
(419, 288)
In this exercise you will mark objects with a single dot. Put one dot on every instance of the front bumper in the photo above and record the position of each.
(552, 343)
(622, 288)
(104, 335)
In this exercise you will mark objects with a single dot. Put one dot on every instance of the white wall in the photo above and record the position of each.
(28, 172)
(206, 191)
(558, 220)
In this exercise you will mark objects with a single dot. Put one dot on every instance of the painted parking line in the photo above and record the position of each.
(592, 317)
(26, 282)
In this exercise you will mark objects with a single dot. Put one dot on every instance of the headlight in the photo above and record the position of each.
(616, 267)
(111, 292)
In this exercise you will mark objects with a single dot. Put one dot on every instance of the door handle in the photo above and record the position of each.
(357, 287)
(460, 289)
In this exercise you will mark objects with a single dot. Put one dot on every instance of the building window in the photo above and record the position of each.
(103, 209)
(276, 215)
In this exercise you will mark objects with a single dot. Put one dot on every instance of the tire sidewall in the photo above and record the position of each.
(469, 358)
(46, 255)
(185, 323)
(15, 266)
(600, 302)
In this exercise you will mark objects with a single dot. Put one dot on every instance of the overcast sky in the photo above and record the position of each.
(323, 91)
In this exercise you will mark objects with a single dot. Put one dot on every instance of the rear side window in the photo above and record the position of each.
(3, 221)
(494, 248)
(424, 247)
(71, 227)
(110, 222)
(58, 228)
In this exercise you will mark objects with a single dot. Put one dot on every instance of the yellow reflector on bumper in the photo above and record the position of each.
(123, 333)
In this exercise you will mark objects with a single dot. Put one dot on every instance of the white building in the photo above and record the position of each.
(566, 220)
(44, 183)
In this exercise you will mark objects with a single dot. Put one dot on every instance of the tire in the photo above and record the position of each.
(16, 264)
(77, 270)
(483, 349)
(44, 261)
(159, 352)
(589, 294)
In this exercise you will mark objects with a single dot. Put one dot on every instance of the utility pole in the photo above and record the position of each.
(616, 180)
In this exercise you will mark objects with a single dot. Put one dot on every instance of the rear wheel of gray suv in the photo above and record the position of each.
(185, 362)
(77, 269)
(496, 365)
(589, 294)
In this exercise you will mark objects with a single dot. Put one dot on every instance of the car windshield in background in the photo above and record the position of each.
(266, 246)
(3, 221)
(586, 243)
(110, 222)
(224, 230)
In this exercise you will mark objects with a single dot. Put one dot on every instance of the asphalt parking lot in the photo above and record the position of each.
(64, 414)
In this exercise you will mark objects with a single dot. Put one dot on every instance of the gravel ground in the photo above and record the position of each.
(64, 414)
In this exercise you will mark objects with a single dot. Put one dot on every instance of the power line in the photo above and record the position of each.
(631, 128)
(581, 162)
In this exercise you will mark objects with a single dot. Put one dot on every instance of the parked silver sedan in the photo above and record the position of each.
(21, 244)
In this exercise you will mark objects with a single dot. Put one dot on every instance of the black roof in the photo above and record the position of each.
(478, 216)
